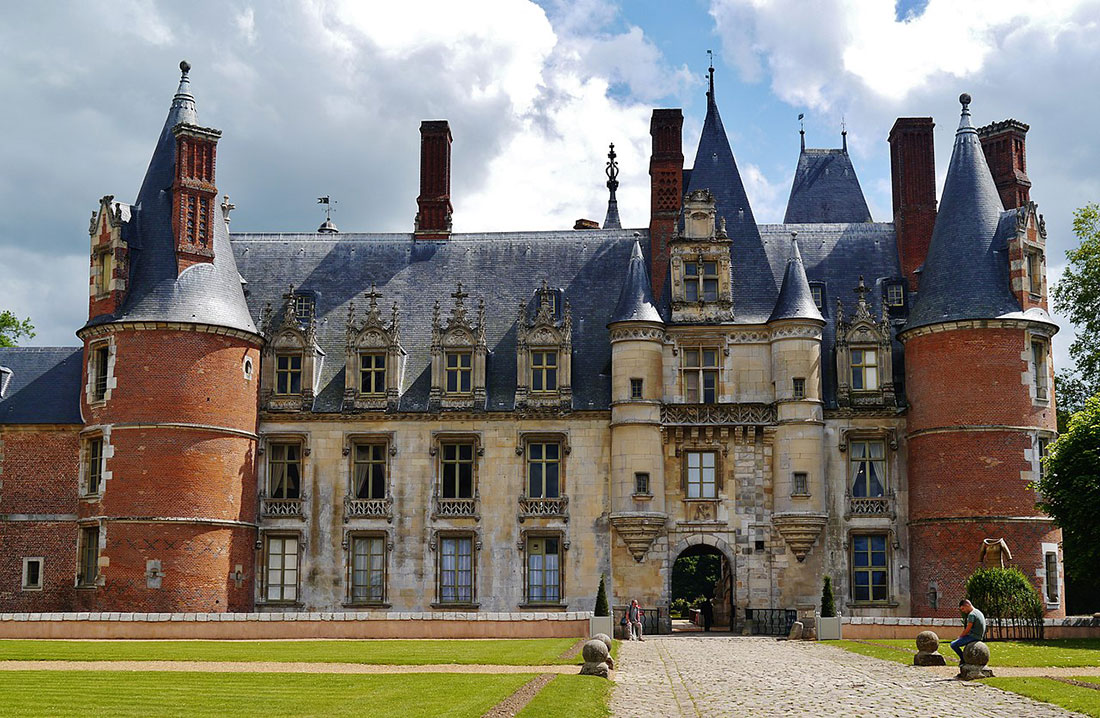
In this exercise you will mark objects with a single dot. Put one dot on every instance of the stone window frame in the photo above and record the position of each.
(720, 454)
(1040, 373)
(290, 337)
(795, 493)
(798, 388)
(373, 336)
(719, 370)
(110, 381)
(563, 546)
(642, 495)
(1048, 550)
(24, 583)
(84, 560)
(637, 388)
(107, 451)
(439, 439)
(889, 437)
(549, 330)
(861, 333)
(458, 334)
(1034, 274)
(561, 438)
(434, 545)
(264, 465)
(376, 438)
(348, 545)
(263, 544)
(891, 546)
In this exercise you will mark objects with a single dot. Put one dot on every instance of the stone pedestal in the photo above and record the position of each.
(596, 656)
(975, 662)
(928, 646)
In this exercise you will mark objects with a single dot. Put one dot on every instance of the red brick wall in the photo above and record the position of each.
(196, 562)
(971, 420)
(913, 174)
(39, 470)
(55, 542)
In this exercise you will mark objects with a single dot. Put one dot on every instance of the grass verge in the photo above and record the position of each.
(268, 695)
(506, 652)
(1067, 653)
(1074, 698)
(571, 697)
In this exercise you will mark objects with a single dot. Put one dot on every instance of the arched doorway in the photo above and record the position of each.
(702, 570)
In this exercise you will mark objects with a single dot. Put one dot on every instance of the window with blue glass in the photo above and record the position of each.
(869, 567)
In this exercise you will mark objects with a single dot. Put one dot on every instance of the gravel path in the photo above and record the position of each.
(272, 667)
(728, 676)
(516, 702)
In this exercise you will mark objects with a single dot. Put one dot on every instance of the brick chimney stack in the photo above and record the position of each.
(666, 182)
(433, 217)
(1004, 144)
(913, 173)
(194, 193)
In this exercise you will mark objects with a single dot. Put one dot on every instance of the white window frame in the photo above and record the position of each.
(700, 487)
(41, 561)
(353, 542)
(269, 571)
(1051, 549)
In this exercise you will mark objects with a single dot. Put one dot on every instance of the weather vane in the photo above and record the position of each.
(328, 202)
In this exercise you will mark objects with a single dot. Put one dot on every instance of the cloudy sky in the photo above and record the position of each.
(325, 97)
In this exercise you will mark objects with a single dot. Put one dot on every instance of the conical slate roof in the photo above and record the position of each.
(795, 299)
(636, 298)
(826, 190)
(966, 273)
(206, 292)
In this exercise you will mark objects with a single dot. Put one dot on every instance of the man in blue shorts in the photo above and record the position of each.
(975, 627)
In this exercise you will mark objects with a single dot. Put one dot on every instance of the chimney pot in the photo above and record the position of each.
(433, 217)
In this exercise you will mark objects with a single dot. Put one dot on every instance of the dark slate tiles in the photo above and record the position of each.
(826, 190)
(44, 385)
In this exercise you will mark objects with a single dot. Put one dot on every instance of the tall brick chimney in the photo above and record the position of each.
(913, 172)
(194, 193)
(1004, 144)
(433, 216)
(666, 183)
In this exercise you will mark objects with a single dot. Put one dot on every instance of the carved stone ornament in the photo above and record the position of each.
(544, 331)
(638, 530)
(864, 331)
(373, 334)
(459, 332)
(800, 531)
(289, 332)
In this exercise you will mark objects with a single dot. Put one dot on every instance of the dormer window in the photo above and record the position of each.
(1034, 272)
(544, 371)
(458, 357)
(817, 291)
(372, 374)
(303, 308)
(373, 358)
(459, 372)
(288, 374)
(105, 262)
(864, 369)
(895, 295)
(543, 349)
(701, 281)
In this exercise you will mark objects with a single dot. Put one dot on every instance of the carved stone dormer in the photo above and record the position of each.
(374, 362)
(700, 260)
(109, 258)
(544, 351)
(292, 360)
(458, 357)
(864, 356)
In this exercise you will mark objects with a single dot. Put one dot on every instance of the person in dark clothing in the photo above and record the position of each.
(707, 609)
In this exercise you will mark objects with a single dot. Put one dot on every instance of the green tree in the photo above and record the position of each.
(601, 600)
(695, 576)
(11, 328)
(1077, 296)
(828, 606)
(1070, 488)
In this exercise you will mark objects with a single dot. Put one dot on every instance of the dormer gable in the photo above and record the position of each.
(699, 258)
(864, 356)
(458, 357)
(544, 349)
(1026, 245)
(374, 361)
(110, 258)
(292, 360)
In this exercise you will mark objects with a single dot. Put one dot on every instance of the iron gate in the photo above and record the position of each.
(770, 621)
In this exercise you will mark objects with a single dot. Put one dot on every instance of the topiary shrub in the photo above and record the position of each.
(828, 607)
(1005, 596)
(601, 600)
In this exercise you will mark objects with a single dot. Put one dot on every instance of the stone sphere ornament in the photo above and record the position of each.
(928, 642)
(603, 637)
(976, 654)
(594, 651)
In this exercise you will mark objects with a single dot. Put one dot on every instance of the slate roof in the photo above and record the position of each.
(965, 275)
(716, 170)
(836, 255)
(636, 296)
(504, 269)
(44, 385)
(205, 293)
(795, 300)
(825, 189)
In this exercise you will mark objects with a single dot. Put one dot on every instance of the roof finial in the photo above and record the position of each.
(843, 133)
(184, 101)
(611, 219)
(327, 227)
(710, 71)
(964, 120)
(802, 130)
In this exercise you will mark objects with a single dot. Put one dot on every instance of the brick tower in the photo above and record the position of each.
(171, 356)
(979, 380)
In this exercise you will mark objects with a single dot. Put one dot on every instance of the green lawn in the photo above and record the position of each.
(1074, 698)
(508, 652)
(571, 697)
(1070, 652)
(266, 695)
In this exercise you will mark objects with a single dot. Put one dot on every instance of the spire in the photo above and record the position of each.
(710, 72)
(636, 298)
(802, 131)
(183, 104)
(795, 299)
(966, 274)
(611, 221)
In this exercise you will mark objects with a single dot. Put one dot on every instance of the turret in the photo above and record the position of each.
(171, 358)
(978, 379)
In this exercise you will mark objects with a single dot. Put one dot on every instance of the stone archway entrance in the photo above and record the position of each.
(700, 567)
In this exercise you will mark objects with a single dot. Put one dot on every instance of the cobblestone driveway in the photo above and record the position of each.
(735, 676)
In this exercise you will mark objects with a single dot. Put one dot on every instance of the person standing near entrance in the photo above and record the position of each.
(707, 609)
(634, 617)
(975, 627)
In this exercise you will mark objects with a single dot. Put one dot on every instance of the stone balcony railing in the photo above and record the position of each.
(743, 414)
(544, 508)
(282, 508)
(368, 508)
(457, 508)
(871, 506)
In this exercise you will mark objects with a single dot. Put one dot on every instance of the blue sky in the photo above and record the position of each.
(325, 97)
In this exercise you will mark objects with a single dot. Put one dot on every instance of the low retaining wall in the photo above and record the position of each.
(257, 626)
(895, 627)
